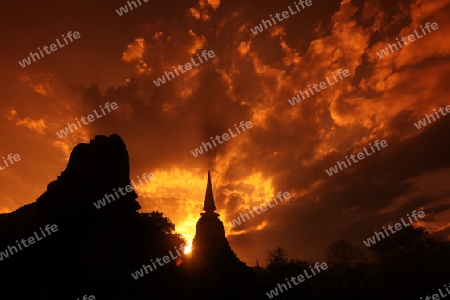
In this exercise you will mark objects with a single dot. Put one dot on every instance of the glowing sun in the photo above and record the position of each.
(188, 249)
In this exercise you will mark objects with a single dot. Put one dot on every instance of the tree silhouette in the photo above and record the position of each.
(341, 254)
(412, 262)
(276, 258)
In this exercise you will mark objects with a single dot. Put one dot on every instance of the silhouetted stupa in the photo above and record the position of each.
(210, 244)
(216, 267)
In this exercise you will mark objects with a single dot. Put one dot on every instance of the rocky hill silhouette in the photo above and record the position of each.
(93, 251)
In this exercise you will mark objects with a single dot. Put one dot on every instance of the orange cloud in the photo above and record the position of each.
(38, 126)
(41, 83)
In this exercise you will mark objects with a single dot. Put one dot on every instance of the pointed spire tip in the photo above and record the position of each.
(209, 205)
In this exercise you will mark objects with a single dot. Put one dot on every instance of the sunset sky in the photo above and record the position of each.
(250, 78)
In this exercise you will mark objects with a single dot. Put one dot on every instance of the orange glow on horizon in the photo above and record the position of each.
(179, 194)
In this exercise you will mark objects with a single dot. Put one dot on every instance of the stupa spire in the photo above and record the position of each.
(209, 205)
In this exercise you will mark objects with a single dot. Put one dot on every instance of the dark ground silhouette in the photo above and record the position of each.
(95, 251)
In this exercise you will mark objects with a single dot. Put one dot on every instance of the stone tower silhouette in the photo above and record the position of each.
(210, 246)
(215, 265)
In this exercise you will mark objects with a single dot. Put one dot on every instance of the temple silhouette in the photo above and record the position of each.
(213, 264)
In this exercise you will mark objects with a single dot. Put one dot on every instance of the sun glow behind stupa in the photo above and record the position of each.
(179, 194)
(188, 248)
